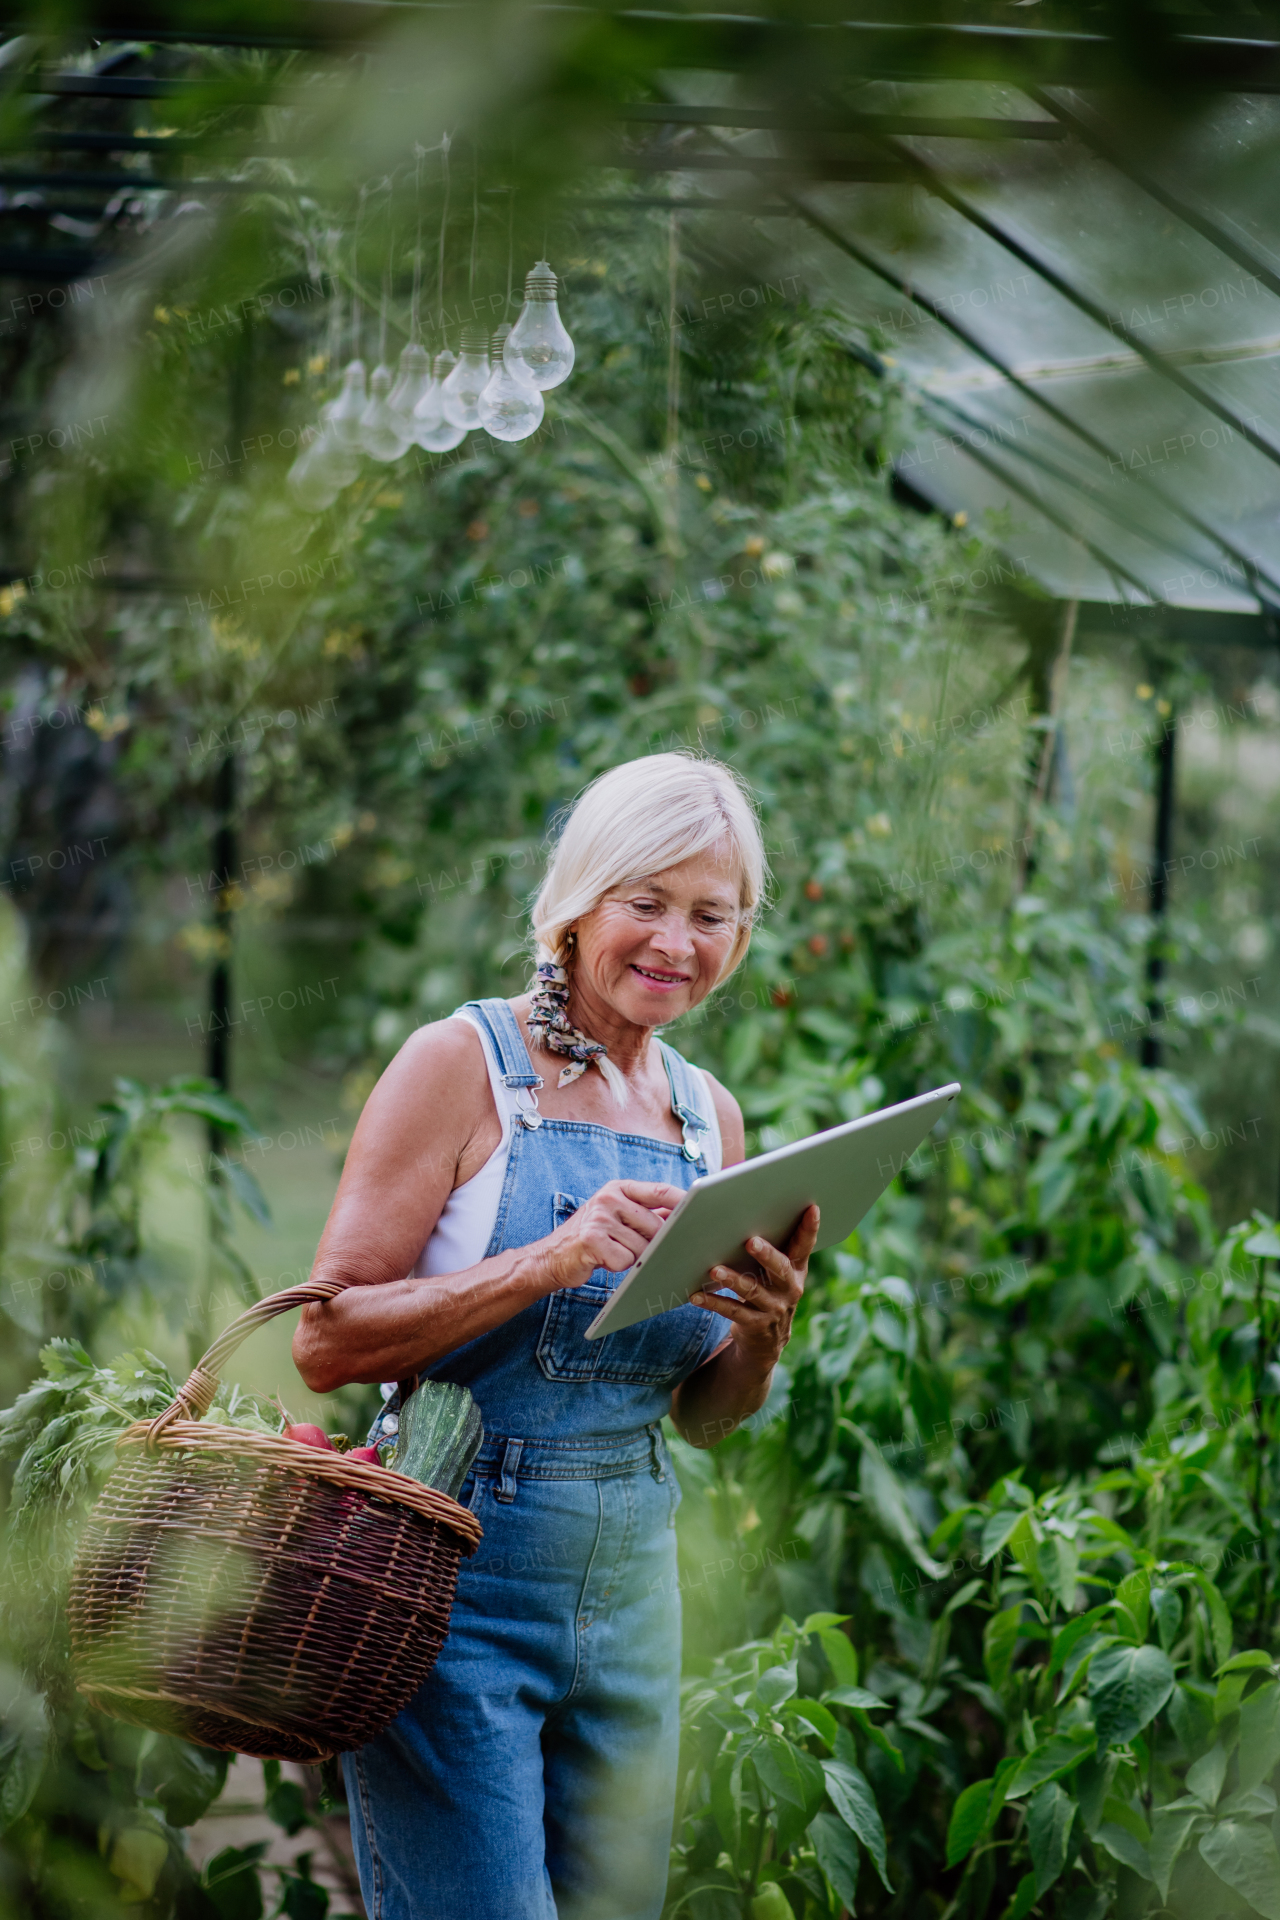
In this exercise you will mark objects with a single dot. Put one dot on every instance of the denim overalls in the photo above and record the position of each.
(533, 1774)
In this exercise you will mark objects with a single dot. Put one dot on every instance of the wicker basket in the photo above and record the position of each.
(251, 1593)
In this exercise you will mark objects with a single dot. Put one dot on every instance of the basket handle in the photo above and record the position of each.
(195, 1395)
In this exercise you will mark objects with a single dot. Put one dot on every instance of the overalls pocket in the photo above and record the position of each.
(658, 1352)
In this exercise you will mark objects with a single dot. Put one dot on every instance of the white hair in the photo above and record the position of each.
(638, 819)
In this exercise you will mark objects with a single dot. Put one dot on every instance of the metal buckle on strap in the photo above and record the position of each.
(529, 1115)
(691, 1144)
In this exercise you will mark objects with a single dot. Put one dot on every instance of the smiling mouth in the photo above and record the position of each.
(661, 979)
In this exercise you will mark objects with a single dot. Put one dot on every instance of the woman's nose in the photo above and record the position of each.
(673, 934)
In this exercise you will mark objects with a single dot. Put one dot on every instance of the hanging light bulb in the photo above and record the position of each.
(347, 411)
(413, 376)
(431, 430)
(510, 409)
(380, 434)
(461, 392)
(324, 467)
(538, 349)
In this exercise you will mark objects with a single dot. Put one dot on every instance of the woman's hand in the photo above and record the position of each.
(761, 1318)
(611, 1229)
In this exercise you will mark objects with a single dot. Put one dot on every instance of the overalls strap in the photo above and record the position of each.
(512, 1055)
(516, 1068)
(687, 1103)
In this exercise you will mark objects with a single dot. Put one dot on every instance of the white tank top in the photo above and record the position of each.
(461, 1236)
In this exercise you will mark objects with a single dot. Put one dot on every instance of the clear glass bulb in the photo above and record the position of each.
(510, 409)
(380, 434)
(324, 467)
(413, 376)
(431, 430)
(460, 395)
(538, 349)
(347, 411)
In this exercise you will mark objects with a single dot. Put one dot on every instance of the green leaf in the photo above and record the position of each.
(855, 1697)
(247, 1191)
(837, 1852)
(1050, 1760)
(1166, 1604)
(1074, 1630)
(968, 1818)
(23, 1745)
(879, 1738)
(1049, 1816)
(1122, 1846)
(998, 1529)
(1245, 1662)
(999, 1643)
(1093, 1784)
(841, 1657)
(232, 1883)
(1169, 1836)
(882, 1493)
(776, 1684)
(726, 1796)
(1023, 1899)
(1205, 1778)
(1260, 1734)
(854, 1801)
(1242, 1853)
(791, 1774)
(1127, 1688)
(1219, 1616)
(816, 1717)
(1058, 1564)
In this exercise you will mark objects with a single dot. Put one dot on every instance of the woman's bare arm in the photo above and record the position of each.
(428, 1125)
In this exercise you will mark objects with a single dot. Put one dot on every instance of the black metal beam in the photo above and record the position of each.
(1247, 564)
(873, 49)
(924, 125)
(868, 170)
(1074, 482)
(1116, 568)
(51, 181)
(1090, 134)
(1159, 365)
(28, 263)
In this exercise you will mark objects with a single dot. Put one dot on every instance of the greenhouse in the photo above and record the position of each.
(639, 766)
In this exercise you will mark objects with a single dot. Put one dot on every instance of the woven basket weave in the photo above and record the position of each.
(251, 1593)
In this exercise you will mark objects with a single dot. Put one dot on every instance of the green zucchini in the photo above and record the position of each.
(439, 1436)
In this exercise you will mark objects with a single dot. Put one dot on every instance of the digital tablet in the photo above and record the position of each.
(844, 1170)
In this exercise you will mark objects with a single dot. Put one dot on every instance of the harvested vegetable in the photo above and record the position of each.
(439, 1436)
(369, 1455)
(309, 1436)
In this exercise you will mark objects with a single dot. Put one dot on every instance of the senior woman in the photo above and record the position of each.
(510, 1165)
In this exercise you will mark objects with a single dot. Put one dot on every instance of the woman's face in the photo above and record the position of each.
(655, 948)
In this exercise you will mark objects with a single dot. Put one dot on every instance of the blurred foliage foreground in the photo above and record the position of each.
(980, 1610)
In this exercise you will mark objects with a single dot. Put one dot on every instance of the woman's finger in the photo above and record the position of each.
(805, 1236)
(778, 1269)
(649, 1193)
(722, 1304)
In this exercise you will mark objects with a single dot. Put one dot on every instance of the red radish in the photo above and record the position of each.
(369, 1455)
(309, 1436)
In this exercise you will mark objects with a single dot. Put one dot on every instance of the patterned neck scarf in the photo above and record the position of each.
(551, 1027)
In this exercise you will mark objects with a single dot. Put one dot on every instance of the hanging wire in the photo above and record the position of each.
(444, 224)
(355, 277)
(415, 323)
(475, 228)
(511, 221)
